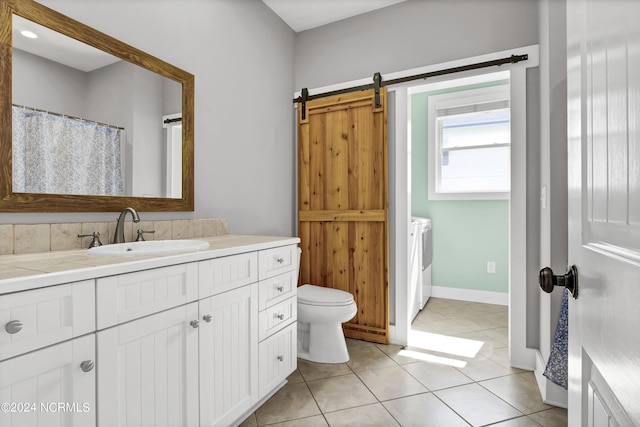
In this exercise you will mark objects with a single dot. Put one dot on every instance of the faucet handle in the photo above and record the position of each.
(140, 237)
(95, 242)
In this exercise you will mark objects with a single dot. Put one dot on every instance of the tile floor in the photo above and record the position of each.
(455, 372)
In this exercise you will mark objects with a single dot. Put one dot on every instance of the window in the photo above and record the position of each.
(469, 144)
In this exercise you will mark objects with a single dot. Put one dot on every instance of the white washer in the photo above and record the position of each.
(426, 256)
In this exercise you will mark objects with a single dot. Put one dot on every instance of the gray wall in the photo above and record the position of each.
(47, 85)
(241, 54)
(411, 34)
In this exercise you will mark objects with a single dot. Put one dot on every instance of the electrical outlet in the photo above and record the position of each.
(491, 267)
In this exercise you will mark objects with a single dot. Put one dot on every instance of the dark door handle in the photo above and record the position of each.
(569, 280)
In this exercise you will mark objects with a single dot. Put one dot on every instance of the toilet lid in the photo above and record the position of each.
(318, 295)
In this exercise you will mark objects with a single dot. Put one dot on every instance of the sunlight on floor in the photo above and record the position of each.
(426, 357)
(422, 343)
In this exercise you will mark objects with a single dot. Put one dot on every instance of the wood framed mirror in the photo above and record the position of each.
(17, 198)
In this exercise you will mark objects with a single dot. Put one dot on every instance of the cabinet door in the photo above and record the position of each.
(228, 355)
(49, 387)
(148, 372)
(278, 358)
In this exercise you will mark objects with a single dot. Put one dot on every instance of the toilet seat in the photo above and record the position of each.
(321, 296)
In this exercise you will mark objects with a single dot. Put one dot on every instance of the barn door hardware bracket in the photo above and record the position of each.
(377, 82)
(303, 98)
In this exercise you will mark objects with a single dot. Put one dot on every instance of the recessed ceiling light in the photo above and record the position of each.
(29, 34)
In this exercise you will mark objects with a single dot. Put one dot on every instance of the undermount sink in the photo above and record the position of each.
(149, 247)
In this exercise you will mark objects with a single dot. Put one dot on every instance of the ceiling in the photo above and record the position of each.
(58, 47)
(303, 15)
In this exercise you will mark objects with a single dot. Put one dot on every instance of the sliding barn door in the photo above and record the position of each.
(343, 204)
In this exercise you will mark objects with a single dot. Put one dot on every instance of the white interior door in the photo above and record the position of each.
(604, 211)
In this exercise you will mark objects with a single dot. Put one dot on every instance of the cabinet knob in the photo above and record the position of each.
(280, 288)
(280, 316)
(207, 318)
(195, 323)
(13, 327)
(280, 358)
(280, 260)
(87, 365)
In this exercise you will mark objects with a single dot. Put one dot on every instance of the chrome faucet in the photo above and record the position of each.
(118, 237)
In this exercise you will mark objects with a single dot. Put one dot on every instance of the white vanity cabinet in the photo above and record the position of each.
(201, 340)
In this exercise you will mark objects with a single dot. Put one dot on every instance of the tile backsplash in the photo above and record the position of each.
(30, 238)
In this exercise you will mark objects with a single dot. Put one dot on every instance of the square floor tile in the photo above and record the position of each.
(477, 405)
(363, 416)
(556, 417)
(291, 402)
(395, 352)
(518, 422)
(353, 343)
(435, 376)
(295, 377)
(520, 391)
(391, 383)
(316, 421)
(365, 358)
(315, 371)
(423, 410)
(347, 391)
(482, 368)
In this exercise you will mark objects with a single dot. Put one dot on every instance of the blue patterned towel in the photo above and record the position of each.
(556, 370)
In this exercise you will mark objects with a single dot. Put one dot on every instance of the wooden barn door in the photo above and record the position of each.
(343, 204)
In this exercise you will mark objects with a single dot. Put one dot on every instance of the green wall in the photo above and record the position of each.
(466, 233)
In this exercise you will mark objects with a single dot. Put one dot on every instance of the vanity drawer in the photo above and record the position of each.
(278, 260)
(223, 274)
(278, 359)
(134, 295)
(276, 317)
(37, 318)
(277, 289)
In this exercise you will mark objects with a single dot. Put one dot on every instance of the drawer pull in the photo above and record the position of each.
(280, 316)
(195, 323)
(280, 288)
(87, 365)
(13, 327)
(207, 318)
(280, 358)
(280, 260)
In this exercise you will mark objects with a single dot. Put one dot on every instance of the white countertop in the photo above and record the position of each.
(37, 270)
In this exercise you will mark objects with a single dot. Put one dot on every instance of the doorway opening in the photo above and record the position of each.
(460, 181)
(402, 189)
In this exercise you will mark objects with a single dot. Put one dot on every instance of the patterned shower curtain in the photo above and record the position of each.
(59, 155)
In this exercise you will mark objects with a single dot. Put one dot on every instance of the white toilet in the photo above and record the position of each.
(321, 312)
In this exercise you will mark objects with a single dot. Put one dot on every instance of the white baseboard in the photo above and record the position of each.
(551, 393)
(486, 297)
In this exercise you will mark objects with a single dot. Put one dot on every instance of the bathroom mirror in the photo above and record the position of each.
(101, 91)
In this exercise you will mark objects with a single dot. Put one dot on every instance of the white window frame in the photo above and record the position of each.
(454, 99)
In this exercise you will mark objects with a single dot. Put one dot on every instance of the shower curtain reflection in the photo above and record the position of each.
(61, 155)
